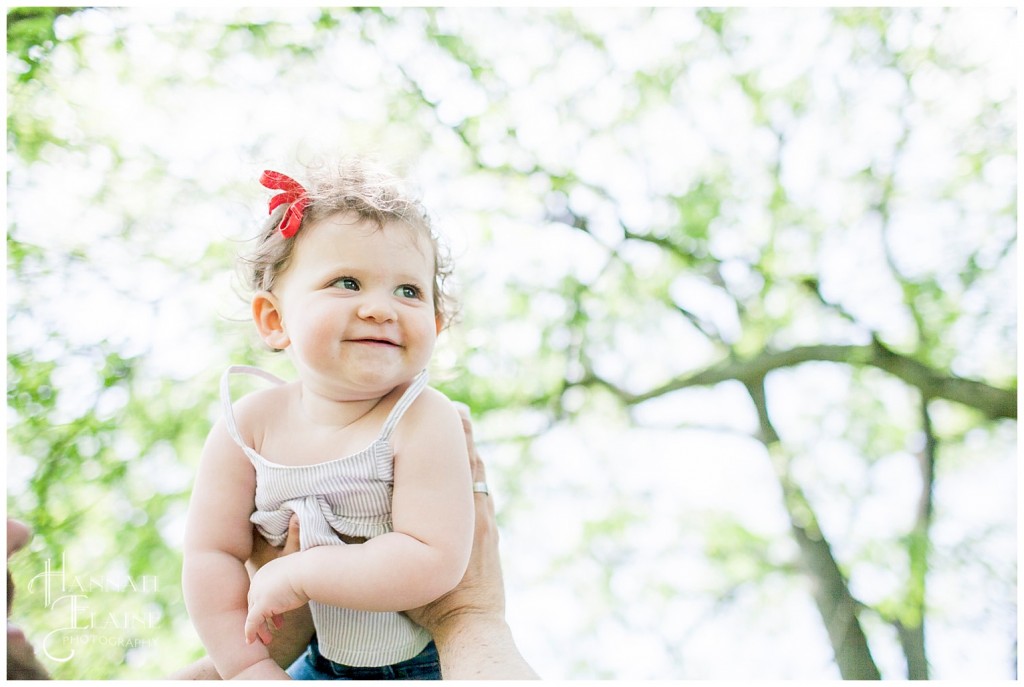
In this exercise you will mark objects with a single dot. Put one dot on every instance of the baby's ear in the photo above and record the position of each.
(266, 313)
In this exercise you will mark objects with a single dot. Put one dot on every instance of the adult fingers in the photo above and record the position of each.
(291, 542)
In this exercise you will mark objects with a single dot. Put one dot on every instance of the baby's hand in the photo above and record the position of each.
(271, 593)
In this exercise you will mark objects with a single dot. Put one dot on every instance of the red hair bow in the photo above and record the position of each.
(293, 193)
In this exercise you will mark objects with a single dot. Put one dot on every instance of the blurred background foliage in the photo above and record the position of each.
(738, 313)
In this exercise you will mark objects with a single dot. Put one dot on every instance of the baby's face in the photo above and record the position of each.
(357, 304)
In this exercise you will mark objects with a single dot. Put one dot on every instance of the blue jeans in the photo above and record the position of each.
(312, 666)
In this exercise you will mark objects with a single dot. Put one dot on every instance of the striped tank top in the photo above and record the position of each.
(351, 496)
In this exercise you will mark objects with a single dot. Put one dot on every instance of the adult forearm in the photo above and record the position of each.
(478, 647)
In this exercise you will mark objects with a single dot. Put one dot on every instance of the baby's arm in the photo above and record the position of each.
(426, 554)
(218, 541)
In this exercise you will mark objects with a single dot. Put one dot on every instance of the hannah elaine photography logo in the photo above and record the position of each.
(72, 601)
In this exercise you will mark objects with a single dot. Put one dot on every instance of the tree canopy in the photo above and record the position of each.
(738, 314)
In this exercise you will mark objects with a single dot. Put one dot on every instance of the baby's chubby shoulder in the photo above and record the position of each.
(432, 429)
(257, 411)
(433, 409)
(431, 401)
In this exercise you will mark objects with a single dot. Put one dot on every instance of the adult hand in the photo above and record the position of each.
(263, 552)
(22, 663)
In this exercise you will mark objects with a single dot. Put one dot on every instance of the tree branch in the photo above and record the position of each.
(993, 401)
(831, 592)
(910, 625)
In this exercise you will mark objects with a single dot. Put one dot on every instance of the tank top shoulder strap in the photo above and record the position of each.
(417, 385)
(225, 395)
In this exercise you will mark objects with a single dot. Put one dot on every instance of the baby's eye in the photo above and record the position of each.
(346, 283)
(407, 291)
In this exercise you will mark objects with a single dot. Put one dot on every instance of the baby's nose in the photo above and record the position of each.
(377, 308)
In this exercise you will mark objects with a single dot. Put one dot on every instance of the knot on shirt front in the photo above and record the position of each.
(318, 524)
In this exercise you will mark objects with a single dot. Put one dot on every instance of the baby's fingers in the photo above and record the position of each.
(258, 627)
(251, 628)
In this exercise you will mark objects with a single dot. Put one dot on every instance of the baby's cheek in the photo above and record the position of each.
(324, 331)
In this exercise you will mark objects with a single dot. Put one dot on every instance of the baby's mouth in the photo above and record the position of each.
(375, 342)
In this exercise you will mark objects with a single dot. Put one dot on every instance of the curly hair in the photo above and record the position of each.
(351, 185)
